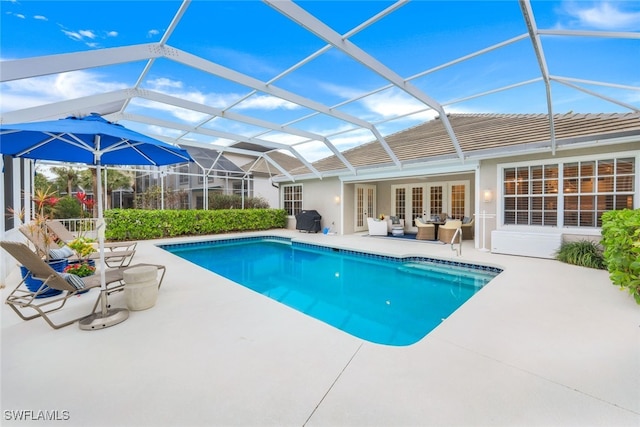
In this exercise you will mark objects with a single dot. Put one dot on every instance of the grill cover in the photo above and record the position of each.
(308, 221)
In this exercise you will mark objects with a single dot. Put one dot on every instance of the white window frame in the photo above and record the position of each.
(561, 161)
(282, 198)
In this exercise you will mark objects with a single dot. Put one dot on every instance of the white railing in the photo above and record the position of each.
(81, 226)
(453, 239)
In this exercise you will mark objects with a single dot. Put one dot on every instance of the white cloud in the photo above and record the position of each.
(163, 83)
(26, 93)
(89, 34)
(40, 18)
(88, 37)
(266, 102)
(152, 33)
(603, 15)
(19, 15)
(73, 35)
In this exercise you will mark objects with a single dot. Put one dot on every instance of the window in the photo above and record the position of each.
(292, 198)
(531, 195)
(572, 194)
(594, 187)
(183, 177)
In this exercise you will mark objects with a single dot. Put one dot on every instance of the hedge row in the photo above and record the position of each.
(621, 240)
(143, 224)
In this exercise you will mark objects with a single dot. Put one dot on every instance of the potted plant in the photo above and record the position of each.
(44, 201)
(80, 269)
(83, 247)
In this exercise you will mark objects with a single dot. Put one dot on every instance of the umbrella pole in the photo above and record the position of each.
(107, 316)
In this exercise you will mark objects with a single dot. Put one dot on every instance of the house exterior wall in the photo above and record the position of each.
(490, 179)
(320, 195)
(262, 188)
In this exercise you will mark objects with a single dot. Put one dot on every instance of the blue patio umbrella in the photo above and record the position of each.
(91, 140)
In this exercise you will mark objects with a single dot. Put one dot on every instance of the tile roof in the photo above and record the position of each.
(284, 160)
(483, 133)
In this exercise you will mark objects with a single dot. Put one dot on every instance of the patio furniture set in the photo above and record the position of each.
(439, 227)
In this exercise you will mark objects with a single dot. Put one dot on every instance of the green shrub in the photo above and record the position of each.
(143, 224)
(584, 253)
(67, 207)
(621, 240)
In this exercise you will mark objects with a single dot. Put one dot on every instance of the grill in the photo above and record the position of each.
(308, 221)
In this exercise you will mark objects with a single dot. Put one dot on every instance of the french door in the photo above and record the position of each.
(408, 201)
(450, 197)
(365, 204)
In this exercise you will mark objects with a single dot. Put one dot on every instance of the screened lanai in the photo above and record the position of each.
(313, 79)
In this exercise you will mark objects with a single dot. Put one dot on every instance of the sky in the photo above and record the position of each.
(256, 40)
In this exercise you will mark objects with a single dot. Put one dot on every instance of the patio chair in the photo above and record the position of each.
(448, 230)
(468, 228)
(21, 299)
(111, 258)
(66, 236)
(425, 231)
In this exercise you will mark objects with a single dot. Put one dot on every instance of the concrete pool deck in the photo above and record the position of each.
(544, 344)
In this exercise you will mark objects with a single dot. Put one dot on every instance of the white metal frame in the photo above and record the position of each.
(115, 104)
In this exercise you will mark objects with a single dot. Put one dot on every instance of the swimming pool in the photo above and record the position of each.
(382, 299)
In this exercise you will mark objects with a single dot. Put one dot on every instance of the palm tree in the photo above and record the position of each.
(115, 180)
(66, 177)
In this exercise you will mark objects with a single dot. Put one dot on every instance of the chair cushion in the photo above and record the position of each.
(60, 253)
(466, 220)
(395, 220)
(73, 280)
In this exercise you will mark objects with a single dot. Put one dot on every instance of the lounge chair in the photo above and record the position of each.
(111, 258)
(425, 231)
(21, 299)
(58, 228)
(448, 230)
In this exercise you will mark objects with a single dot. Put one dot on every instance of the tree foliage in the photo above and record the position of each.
(621, 239)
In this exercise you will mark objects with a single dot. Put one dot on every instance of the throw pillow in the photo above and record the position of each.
(60, 253)
(73, 280)
(395, 220)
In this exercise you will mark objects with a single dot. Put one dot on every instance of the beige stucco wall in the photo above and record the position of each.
(262, 188)
(320, 195)
(490, 180)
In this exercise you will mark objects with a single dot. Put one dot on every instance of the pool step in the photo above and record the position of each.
(448, 275)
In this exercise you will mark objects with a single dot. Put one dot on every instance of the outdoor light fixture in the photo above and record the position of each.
(337, 200)
(488, 196)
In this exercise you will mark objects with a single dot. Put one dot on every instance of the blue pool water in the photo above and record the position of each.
(382, 299)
